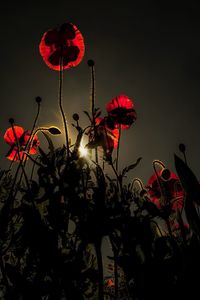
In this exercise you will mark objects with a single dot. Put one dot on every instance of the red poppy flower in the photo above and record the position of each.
(105, 137)
(22, 140)
(171, 186)
(66, 43)
(110, 136)
(121, 110)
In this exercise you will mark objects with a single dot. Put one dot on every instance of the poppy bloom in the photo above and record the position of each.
(171, 188)
(121, 110)
(63, 44)
(19, 139)
(106, 137)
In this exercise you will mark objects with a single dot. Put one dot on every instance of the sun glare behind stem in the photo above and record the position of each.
(83, 151)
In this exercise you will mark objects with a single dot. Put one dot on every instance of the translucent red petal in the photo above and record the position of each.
(70, 40)
(120, 101)
(173, 187)
(121, 110)
(9, 135)
(14, 155)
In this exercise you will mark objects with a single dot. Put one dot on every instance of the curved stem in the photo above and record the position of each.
(33, 168)
(158, 178)
(28, 145)
(34, 124)
(157, 226)
(139, 181)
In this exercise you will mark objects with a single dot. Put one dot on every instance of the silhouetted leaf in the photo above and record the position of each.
(51, 146)
(87, 114)
(130, 167)
(192, 216)
(188, 179)
(151, 208)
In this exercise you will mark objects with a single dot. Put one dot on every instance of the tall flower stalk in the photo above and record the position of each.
(92, 103)
(60, 97)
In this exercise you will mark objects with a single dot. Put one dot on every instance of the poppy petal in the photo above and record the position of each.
(67, 41)
(121, 110)
(9, 135)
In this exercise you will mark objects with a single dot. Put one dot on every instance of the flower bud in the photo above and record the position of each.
(54, 130)
(90, 63)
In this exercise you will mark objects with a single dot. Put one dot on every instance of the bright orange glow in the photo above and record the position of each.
(65, 42)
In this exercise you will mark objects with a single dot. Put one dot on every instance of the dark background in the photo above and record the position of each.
(147, 50)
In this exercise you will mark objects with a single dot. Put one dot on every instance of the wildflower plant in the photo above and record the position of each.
(54, 219)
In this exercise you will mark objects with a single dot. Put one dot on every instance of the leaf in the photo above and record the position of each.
(51, 146)
(188, 179)
(97, 114)
(191, 187)
(44, 158)
(130, 167)
(87, 114)
(32, 159)
(151, 208)
(192, 216)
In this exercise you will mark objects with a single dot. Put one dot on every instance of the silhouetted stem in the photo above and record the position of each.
(60, 104)
(3, 272)
(28, 145)
(157, 226)
(169, 227)
(117, 160)
(92, 104)
(100, 269)
(119, 182)
(116, 275)
(36, 118)
(158, 178)
(20, 159)
(92, 92)
(139, 181)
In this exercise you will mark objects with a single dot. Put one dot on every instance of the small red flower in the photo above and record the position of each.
(105, 137)
(23, 138)
(110, 136)
(171, 187)
(64, 42)
(121, 110)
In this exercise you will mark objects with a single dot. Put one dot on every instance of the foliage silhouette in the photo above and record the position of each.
(53, 221)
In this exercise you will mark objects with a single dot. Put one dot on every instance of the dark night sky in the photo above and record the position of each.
(147, 51)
